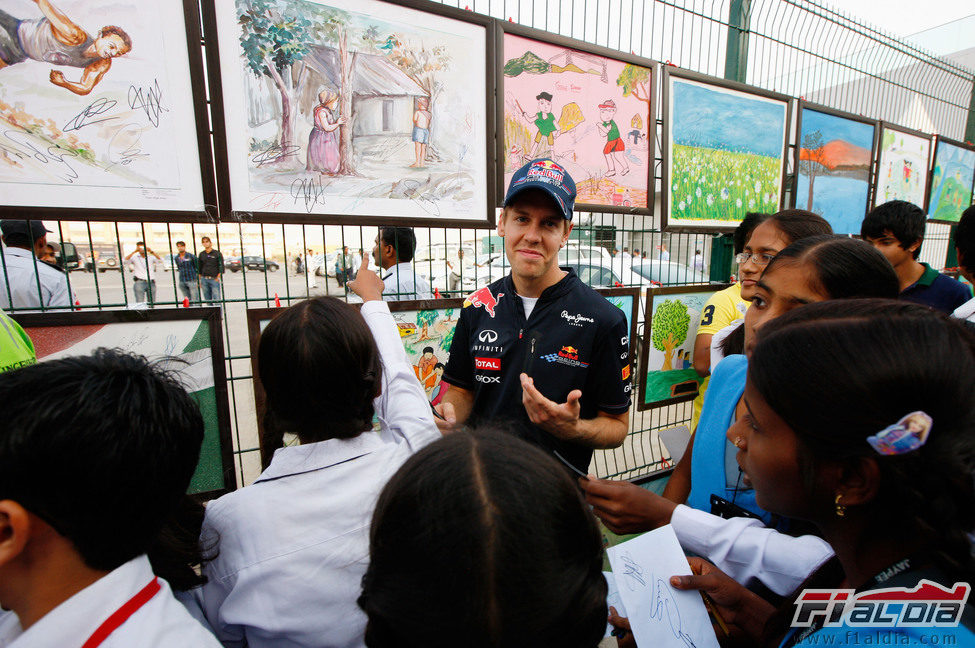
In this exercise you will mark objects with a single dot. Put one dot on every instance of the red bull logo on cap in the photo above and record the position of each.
(483, 297)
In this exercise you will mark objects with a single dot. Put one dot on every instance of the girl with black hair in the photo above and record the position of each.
(293, 546)
(812, 444)
(482, 540)
(813, 269)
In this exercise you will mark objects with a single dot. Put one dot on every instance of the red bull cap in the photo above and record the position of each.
(550, 177)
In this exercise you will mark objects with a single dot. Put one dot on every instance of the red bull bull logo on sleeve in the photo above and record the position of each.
(483, 297)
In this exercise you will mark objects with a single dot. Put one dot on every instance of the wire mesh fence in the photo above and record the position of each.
(798, 47)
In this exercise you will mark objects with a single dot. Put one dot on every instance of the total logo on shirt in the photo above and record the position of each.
(488, 364)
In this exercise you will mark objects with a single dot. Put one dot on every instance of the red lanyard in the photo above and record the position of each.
(122, 614)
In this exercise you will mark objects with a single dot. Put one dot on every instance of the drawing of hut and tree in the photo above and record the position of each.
(364, 105)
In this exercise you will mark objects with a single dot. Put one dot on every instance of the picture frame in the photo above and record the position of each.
(609, 182)
(693, 105)
(949, 196)
(416, 85)
(669, 384)
(844, 165)
(423, 323)
(628, 301)
(903, 165)
(131, 143)
(156, 334)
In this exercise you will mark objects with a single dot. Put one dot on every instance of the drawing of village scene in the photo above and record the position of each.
(951, 184)
(100, 113)
(361, 108)
(587, 112)
(427, 336)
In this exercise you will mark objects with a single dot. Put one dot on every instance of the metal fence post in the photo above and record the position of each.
(736, 54)
(970, 127)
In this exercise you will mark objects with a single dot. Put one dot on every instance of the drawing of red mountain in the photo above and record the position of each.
(52, 339)
(838, 154)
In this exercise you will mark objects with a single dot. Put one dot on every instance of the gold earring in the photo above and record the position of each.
(840, 509)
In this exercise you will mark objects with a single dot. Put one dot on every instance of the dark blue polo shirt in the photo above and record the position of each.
(938, 291)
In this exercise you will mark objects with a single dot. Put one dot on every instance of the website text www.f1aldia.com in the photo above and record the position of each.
(862, 638)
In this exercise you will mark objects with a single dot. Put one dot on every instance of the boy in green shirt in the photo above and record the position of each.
(544, 121)
(614, 143)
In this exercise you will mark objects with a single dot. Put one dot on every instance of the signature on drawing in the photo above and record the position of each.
(85, 117)
(311, 190)
(53, 154)
(149, 100)
(275, 153)
(123, 147)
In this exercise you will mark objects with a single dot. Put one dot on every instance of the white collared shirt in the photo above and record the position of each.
(747, 550)
(161, 622)
(295, 544)
(966, 311)
(19, 269)
(403, 282)
(141, 270)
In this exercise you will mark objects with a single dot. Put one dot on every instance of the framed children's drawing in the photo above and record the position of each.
(667, 372)
(356, 112)
(588, 108)
(724, 147)
(186, 341)
(952, 179)
(903, 165)
(834, 165)
(103, 112)
(628, 301)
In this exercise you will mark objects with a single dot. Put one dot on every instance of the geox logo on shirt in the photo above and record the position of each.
(576, 320)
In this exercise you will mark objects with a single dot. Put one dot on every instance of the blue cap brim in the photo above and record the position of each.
(547, 188)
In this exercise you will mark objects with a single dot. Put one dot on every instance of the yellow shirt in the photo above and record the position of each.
(724, 307)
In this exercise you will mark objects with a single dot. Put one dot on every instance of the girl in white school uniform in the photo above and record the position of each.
(294, 545)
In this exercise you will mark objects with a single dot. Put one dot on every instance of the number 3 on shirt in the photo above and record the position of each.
(707, 315)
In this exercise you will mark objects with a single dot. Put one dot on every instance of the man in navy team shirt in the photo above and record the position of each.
(896, 228)
(189, 277)
(538, 353)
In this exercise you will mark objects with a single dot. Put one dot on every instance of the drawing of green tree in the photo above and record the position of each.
(635, 80)
(669, 329)
(448, 339)
(425, 319)
(813, 160)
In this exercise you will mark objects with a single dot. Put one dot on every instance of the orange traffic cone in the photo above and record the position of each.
(277, 301)
(186, 302)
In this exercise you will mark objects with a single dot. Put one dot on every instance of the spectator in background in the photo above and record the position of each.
(459, 268)
(965, 247)
(189, 276)
(50, 255)
(664, 253)
(343, 266)
(896, 228)
(25, 282)
(211, 271)
(393, 253)
(698, 261)
(143, 271)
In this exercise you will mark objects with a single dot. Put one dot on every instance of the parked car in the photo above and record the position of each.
(669, 273)
(104, 256)
(169, 262)
(234, 264)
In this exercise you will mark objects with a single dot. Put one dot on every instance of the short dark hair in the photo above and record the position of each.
(543, 95)
(845, 268)
(904, 220)
(745, 228)
(320, 368)
(183, 243)
(109, 30)
(142, 243)
(801, 362)
(965, 238)
(205, 238)
(402, 239)
(107, 479)
(459, 509)
(428, 349)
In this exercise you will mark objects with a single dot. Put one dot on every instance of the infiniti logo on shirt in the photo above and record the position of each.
(487, 335)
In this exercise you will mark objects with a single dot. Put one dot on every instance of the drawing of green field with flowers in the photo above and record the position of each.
(711, 184)
(725, 154)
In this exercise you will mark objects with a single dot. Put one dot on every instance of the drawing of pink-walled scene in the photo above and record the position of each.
(351, 107)
(589, 113)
